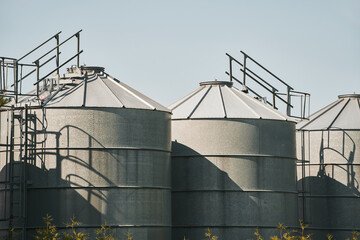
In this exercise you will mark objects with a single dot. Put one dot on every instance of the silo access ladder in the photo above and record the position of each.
(20, 151)
(20, 146)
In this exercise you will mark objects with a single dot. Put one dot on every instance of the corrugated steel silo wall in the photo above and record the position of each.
(232, 175)
(102, 165)
(330, 182)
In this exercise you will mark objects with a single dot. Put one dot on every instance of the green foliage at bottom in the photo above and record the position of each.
(50, 232)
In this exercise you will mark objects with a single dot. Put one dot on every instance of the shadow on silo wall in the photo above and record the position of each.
(96, 185)
(330, 202)
(205, 195)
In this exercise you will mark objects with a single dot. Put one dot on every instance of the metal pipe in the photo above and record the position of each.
(276, 95)
(301, 106)
(273, 96)
(304, 110)
(38, 46)
(15, 80)
(57, 46)
(37, 78)
(26, 65)
(58, 67)
(57, 53)
(85, 86)
(35, 69)
(51, 97)
(309, 107)
(2, 74)
(6, 78)
(244, 71)
(288, 100)
(252, 91)
(3, 58)
(24, 182)
(11, 168)
(230, 69)
(249, 70)
(266, 70)
(1, 79)
(234, 59)
(78, 49)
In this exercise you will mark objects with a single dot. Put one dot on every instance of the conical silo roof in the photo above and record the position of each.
(344, 113)
(98, 90)
(219, 99)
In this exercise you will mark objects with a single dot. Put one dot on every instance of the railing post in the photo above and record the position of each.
(230, 68)
(24, 178)
(302, 115)
(78, 49)
(57, 53)
(288, 99)
(1, 79)
(16, 80)
(37, 77)
(244, 71)
(273, 97)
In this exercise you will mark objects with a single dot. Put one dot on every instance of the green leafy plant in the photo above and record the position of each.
(258, 235)
(49, 232)
(329, 237)
(280, 228)
(355, 236)
(302, 235)
(209, 235)
(74, 235)
(105, 233)
(3, 101)
(129, 236)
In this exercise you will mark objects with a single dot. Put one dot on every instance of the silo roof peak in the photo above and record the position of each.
(219, 99)
(221, 83)
(343, 114)
(354, 95)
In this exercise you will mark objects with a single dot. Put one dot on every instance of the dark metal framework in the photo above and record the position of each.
(19, 150)
(11, 69)
(248, 74)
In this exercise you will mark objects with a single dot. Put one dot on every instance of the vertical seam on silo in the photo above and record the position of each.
(135, 95)
(188, 97)
(252, 110)
(197, 105)
(310, 121)
(342, 109)
(102, 80)
(223, 103)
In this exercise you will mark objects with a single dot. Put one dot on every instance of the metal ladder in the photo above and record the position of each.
(21, 151)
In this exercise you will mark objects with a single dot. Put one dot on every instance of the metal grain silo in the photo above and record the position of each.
(329, 176)
(233, 165)
(96, 149)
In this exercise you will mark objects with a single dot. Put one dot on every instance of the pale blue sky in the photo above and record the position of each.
(165, 48)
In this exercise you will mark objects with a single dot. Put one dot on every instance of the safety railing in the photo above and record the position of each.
(12, 70)
(282, 97)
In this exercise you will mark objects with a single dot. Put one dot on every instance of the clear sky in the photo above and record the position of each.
(165, 48)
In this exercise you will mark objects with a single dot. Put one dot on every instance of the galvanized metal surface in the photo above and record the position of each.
(328, 181)
(108, 161)
(341, 114)
(231, 174)
(97, 90)
(218, 99)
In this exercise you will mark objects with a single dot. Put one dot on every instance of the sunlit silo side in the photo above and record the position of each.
(328, 178)
(233, 165)
(102, 154)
